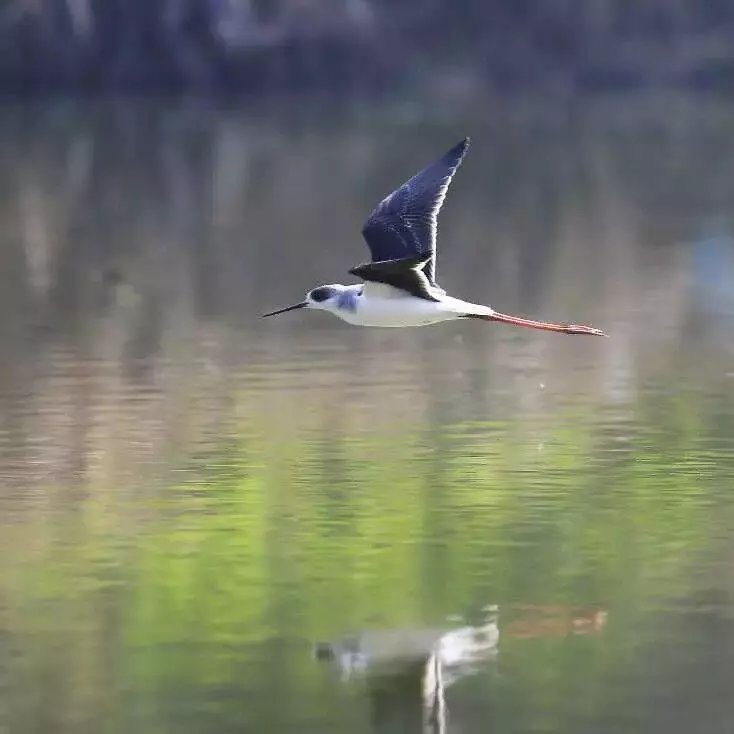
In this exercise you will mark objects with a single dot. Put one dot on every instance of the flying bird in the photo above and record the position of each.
(399, 287)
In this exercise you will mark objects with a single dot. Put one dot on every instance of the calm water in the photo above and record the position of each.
(215, 523)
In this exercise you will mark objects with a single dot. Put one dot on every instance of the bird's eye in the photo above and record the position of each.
(321, 294)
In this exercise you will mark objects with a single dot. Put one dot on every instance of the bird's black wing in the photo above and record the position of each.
(407, 274)
(404, 224)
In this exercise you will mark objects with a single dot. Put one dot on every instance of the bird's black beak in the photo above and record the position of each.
(303, 304)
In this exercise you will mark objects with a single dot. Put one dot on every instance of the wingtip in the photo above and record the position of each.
(459, 150)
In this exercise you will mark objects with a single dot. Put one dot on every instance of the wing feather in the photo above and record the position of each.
(405, 223)
(407, 274)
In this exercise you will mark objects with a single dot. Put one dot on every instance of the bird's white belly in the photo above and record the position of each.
(390, 307)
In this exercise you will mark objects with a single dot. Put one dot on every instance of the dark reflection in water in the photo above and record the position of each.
(407, 671)
(191, 496)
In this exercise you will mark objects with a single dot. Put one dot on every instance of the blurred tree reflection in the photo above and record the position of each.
(276, 44)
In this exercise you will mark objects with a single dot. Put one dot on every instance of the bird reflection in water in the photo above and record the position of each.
(407, 671)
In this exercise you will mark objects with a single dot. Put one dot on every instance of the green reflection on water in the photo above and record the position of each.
(202, 603)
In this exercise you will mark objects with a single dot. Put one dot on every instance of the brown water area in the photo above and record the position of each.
(215, 522)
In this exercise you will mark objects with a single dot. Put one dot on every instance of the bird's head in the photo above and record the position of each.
(324, 298)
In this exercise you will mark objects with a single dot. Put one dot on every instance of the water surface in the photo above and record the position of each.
(213, 522)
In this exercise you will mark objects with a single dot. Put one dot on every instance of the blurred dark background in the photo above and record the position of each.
(259, 45)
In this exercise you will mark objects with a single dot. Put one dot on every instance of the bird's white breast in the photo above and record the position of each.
(383, 305)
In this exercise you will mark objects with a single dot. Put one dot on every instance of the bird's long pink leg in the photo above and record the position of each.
(544, 325)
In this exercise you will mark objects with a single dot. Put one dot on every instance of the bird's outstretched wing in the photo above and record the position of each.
(404, 224)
